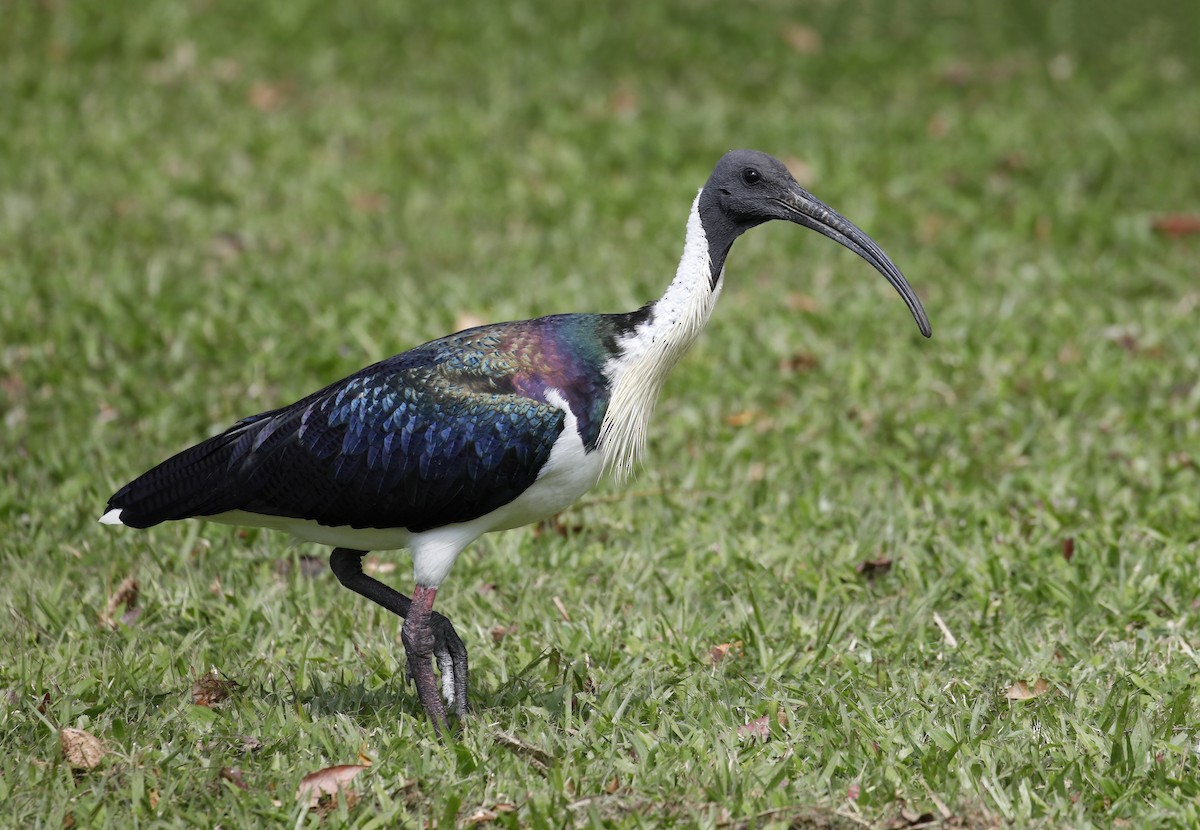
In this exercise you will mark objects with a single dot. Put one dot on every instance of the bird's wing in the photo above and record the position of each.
(444, 433)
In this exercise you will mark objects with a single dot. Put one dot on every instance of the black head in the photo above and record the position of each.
(747, 188)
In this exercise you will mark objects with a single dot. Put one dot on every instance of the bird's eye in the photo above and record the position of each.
(751, 176)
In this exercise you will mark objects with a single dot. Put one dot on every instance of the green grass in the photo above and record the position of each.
(208, 209)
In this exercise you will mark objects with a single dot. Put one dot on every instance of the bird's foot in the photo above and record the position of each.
(428, 635)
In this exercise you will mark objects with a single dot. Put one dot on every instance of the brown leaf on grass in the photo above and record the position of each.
(871, 568)
(375, 567)
(366, 201)
(324, 785)
(742, 419)
(1177, 224)
(624, 102)
(801, 171)
(1023, 691)
(211, 689)
(267, 97)
(558, 526)
(799, 363)
(234, 776)
(82, 750)
(803, 40)
(795, 301)
(469, 320)
(499, 632)
(1068, 548)
(759, 728)
(481, 815)
(719, 652)
(127, 595)
(537, 757)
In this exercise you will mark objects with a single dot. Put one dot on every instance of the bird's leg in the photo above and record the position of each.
(419, 642)
(447, 646)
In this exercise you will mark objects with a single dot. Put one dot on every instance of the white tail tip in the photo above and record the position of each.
(112, 517)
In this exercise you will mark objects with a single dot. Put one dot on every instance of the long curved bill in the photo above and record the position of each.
(805, 209)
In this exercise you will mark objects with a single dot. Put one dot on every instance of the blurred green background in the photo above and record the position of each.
(208, 209)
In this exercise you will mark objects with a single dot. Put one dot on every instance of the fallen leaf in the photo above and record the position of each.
(328, 782)
(795, 301)
(562, 609)
(368, 202)
(234, 776)
(251, 744)
(799, 363)
(613, 785)
(1177, 224)
(126, 594)
(378, 566)
(539, 758)
(871, 568)
(719, 652)
(82, 750)
(624, 102)
(1068, 548)
(1022, 690)
(803, 40)
(211, 689)
(499, 632)
(741, 419)
(267, 97)
(801, 171)
(469, 320)
(482, 815)
(759, 728)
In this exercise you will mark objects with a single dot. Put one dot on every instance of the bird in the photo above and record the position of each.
(491, 428)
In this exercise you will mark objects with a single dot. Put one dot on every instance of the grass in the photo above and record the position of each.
(208, 209)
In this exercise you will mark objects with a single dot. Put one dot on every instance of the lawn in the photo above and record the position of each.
(864, 578)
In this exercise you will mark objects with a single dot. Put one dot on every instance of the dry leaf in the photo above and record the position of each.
(368, 202)
(482, 815)
(758, 728)
(536, 756)
(742, 419)
(126, 594)
(1177, 224)
(469, 320)
(871, 568)
(378, 566)
(1022, 691)
(234, 776)
(499, 632)
(624, 102)
(803, 40)
(267, 97)
(211, 689)
(795, 301)
(1068, 548)
(719, 652)
(799, 363)
(327, 782)
(82, 750)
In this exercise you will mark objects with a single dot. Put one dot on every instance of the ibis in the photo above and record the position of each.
(488, 429)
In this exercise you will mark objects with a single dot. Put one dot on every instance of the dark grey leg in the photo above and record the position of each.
(426, 634)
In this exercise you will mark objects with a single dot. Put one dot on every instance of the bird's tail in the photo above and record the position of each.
(196, 482)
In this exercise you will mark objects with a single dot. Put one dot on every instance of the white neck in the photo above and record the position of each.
(647, 354)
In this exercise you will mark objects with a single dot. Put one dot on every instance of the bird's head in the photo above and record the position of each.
(747, 188)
